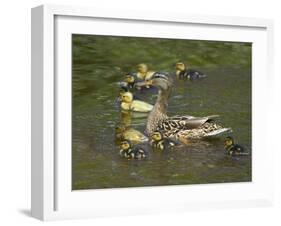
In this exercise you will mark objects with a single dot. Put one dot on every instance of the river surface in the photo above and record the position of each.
(100, 62)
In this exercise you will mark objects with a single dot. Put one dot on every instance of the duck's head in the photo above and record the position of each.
(125, 144)
(126, 97)
(122, 91)
(158, 80)
(156, 136)
(228, 141)
(129, 78)
(142, 68)
(180, 66)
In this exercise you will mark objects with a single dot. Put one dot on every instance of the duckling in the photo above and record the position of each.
(123, 90)
(182, 72)
(132, 152)
(134, 136)
(130, 79)
(160, 142)
(143, 73)
(233, 149)
(128, 103)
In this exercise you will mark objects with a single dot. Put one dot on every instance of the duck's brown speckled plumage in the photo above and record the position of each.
(157, 114)
(202, 131)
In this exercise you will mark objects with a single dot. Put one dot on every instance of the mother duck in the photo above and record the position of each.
(182, 128)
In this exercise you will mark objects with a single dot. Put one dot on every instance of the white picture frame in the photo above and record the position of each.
(52, 197)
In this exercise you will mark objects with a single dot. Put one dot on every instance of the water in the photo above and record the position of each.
(100, 62)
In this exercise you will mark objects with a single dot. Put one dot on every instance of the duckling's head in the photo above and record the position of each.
(156, 136)
(129, 78)
(142, 68)
(180, 66)
(123, 90)
(125, 144)
(127, 97)
(228, 141)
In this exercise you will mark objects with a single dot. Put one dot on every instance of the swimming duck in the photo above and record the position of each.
(233, 149)
(182, 72)
(124, 133)
(182, 128)
(132, 152)
(128, 103)
(158, 141)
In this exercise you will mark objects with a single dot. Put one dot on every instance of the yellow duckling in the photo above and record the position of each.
(129, 104)
(124, 90)
(132, 152)
(183, 72)
(158, 141)
(124, 133)
(232, 148)
(143, 73)
(130, 80)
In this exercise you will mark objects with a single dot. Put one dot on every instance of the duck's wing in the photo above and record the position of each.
(186, 122)
(208, 129)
